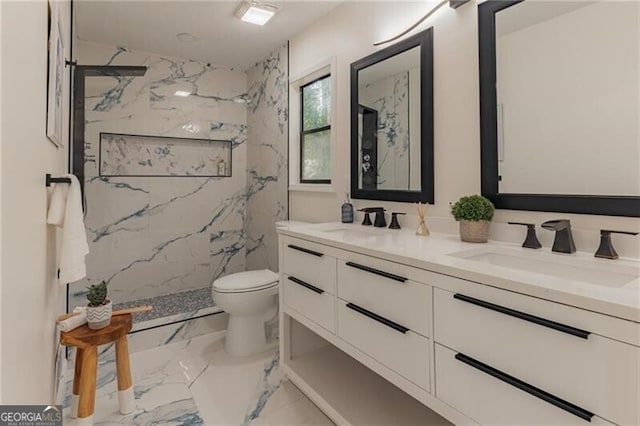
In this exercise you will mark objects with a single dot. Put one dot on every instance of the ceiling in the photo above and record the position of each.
(222, 39)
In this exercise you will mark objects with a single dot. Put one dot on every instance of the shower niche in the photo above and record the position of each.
(123, 155)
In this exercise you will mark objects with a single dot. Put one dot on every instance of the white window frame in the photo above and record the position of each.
(327, 67)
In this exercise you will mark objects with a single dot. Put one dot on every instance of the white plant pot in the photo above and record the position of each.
(99, 316)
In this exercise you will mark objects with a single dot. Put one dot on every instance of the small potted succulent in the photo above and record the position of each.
(99, 308)
(474, 213)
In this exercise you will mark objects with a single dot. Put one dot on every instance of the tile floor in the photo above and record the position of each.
(195, 382)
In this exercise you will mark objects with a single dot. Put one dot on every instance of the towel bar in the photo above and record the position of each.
(49, 180)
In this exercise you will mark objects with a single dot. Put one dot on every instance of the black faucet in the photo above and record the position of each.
(394, 220)
(379, 221)
(531, 241)
(563, 242)
(366, 221)
(606, 250)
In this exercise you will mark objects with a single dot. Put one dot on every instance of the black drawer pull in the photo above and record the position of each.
(307, 285)
(382, 320)
(305, 250)
(377, 272)
(532, 390)
(527, 317)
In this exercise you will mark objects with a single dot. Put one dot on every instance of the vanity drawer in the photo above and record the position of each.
(488, 396)
(370, 284)
(391, 344)
(310, 301)
(307, 261)
(573, 364)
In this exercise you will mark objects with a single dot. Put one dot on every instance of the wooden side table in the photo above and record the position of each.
(86, 342)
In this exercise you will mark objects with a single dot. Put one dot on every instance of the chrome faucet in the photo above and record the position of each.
(563, 242)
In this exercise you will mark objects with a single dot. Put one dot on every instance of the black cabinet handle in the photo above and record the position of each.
(305, 250)
(523, 316)
(307, 285)
(532, 390)
(377, 272)
(376, 317)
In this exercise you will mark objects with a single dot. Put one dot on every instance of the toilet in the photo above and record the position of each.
(251, 300)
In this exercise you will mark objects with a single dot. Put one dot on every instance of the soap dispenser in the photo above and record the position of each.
(347, 210)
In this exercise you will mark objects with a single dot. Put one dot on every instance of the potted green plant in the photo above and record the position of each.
(99, 308)
(474, 213)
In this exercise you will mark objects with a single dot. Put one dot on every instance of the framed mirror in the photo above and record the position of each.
(560, 106)
(392, 122)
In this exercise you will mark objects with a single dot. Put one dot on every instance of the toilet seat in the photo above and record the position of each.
(244, 282)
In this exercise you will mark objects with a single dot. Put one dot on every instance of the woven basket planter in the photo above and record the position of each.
(474, 231)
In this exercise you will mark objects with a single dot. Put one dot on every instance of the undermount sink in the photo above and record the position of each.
(587, 270)
(352, 232)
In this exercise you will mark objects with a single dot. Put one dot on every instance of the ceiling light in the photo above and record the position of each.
(182, 93)
(256, 12)
(186, 37)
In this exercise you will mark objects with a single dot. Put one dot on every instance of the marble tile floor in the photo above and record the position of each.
(194, 382)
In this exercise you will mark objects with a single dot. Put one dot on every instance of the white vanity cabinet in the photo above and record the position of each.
(533, 359)
(376, 302)
(472, 353)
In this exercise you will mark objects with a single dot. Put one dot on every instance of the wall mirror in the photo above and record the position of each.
(560, 105)
(392, 122)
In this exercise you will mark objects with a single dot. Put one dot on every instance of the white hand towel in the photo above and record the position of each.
(60, 370)
(65, 210)
(57, 204)
(73, 322)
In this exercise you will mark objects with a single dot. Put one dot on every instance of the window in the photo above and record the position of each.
(315, 131)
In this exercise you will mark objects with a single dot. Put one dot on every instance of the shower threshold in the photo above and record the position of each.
(172, 308)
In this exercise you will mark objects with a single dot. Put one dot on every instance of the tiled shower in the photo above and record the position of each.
(157, 233)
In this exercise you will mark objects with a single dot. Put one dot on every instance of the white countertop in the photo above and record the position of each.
(440, 253)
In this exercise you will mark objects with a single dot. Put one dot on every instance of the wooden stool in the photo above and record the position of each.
(86, 341)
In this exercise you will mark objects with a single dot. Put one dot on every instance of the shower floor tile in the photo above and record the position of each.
(195, 382)
(172, 308)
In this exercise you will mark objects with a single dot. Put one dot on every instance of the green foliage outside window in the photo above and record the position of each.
(315, 146)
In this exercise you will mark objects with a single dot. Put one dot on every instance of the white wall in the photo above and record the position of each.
(30, 297)
(348, 33)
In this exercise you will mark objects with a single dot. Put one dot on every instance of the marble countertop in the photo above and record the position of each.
(445, 254)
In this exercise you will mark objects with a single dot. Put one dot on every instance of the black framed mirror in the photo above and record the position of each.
(392, 122)
(560, 106)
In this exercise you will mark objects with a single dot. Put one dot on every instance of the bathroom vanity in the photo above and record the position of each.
(385, 327)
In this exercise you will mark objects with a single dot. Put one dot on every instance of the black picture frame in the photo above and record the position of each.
(424, 40)
(563, 203)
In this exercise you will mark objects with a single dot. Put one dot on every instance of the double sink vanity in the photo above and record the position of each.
(386, 327)
(383, 327)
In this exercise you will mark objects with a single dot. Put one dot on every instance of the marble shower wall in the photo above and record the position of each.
(152, 236)
(267, 139)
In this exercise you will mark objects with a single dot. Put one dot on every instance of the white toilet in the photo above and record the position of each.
(251, 300)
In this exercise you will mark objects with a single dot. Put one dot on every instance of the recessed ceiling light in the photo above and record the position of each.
(256, 12)
(186, 37)
(182, 93)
